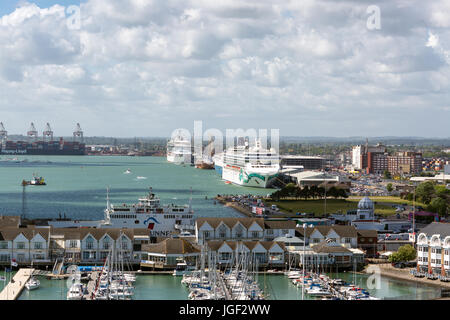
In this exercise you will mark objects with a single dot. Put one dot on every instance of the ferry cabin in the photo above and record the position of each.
(160, 220)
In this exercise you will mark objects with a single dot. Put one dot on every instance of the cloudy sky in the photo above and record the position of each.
(146, 67)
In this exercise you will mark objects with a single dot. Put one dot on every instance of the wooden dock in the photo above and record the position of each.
(15, 286)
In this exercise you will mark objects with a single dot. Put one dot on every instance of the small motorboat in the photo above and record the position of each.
(128, 171)
(32, 284)
(75, 292)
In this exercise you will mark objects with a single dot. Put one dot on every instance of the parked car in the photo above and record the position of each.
(400, 265)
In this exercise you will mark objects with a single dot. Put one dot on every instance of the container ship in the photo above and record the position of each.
(46, 146)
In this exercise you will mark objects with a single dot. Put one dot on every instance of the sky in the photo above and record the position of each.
(144, 68)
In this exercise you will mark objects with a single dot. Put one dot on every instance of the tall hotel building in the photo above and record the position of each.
(372, 159)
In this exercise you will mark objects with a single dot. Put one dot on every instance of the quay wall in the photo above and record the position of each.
(388, 270)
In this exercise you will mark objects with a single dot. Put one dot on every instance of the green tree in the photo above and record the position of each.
(333, 192)
(387, 174)
(438, 205)
(342, 193)
(441, 191)
(389, 187)
(425, 191)
(404, 253)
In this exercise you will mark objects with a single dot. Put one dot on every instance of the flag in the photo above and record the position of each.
(14, 263)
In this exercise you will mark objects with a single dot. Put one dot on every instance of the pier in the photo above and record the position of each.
(16, 285)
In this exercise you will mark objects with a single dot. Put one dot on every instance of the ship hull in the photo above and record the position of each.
(179, 158)
(244, 177)
(218, 169)
(157, 224)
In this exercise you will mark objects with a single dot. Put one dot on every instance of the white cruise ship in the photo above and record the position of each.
(251, 166)
(179, 150)
(148, 213)
(218, 162)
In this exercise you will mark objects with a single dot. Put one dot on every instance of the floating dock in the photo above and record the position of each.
(15, 286)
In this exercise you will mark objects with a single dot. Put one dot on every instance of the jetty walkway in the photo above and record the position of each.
(16, 285)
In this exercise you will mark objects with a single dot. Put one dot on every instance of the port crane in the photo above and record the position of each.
(78, 133)
(3, 132)
(48, 133)
(32, 132)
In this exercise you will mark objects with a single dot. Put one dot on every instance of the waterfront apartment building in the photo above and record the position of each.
(327, 253)
(74, 245)
(167, 253)
(433, 249)
(241, 229)
(23, 245)
(267, 253)
(344, 235)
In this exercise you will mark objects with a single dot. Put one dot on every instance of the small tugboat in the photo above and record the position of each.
(37, 181)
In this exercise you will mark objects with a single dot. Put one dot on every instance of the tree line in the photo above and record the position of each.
(436, 197)
(292, 190)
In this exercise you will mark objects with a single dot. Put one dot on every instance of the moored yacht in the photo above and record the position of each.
(32, 284)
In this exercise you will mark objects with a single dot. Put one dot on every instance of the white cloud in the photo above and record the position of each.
(145, 67)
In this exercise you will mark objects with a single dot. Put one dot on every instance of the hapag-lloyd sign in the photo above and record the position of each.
(12, 151)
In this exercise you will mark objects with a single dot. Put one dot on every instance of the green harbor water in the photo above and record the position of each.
(76, 187)
(276, 287)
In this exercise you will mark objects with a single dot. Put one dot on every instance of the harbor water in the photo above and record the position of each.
(276, 287)
(76, 186)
